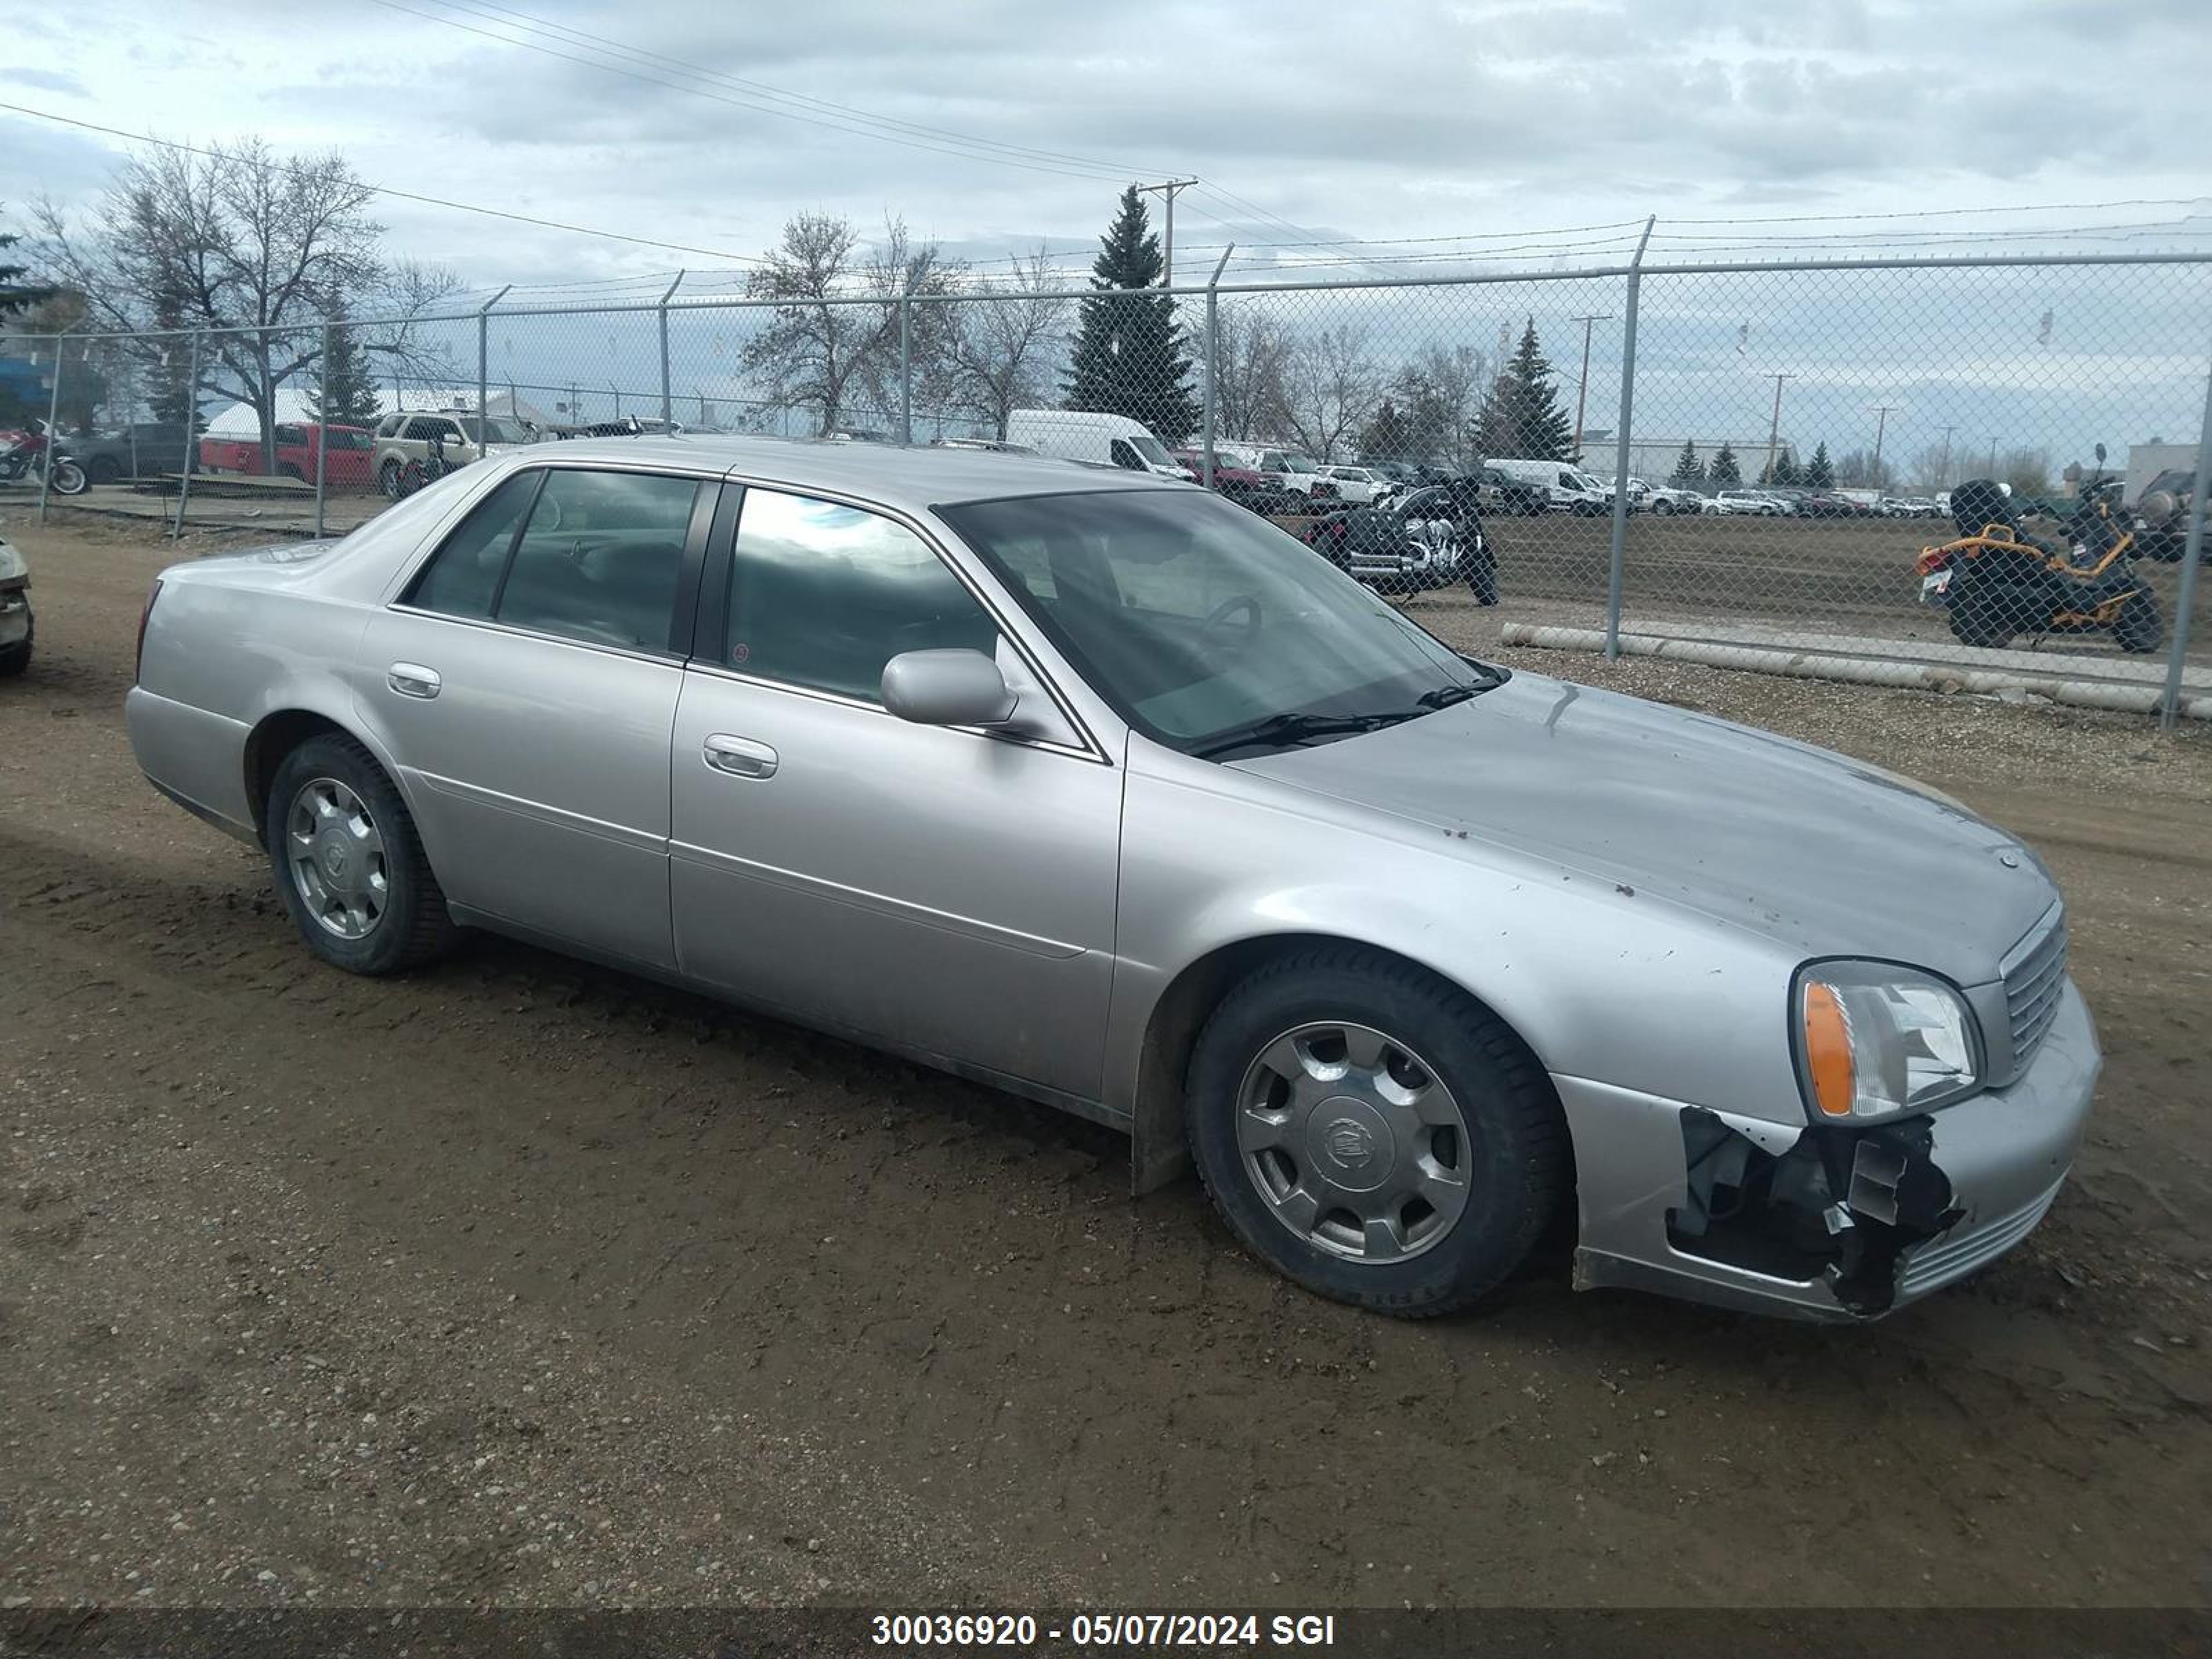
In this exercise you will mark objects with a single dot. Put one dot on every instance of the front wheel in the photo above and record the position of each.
(1482, 577)
(66, 477)
(387, 480)
(1373, 1133)
(2139, 628)
(349, 862)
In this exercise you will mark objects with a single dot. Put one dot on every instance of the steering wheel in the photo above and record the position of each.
(1215, 631)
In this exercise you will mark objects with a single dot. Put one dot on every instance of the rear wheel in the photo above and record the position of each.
(2140, 627)
(349, 862)
(1983, 615)
(1373, 1133)
(387, 480)
(1482, 577)
(66, 477)
(14, 659)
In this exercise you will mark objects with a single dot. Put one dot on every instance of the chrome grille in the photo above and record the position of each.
(2034, 977)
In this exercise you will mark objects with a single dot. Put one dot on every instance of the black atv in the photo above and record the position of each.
(1997, 581)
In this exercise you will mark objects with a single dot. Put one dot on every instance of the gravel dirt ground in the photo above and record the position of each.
(521, 1282)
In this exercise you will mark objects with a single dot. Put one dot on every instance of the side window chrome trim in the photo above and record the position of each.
(492, 625)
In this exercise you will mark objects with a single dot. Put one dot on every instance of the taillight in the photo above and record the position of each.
(139, 656)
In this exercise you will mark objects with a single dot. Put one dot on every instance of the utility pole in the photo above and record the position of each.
(1774, 426)
(1166, 190)
(1881, 414)
(1943, 480)
(1582, 396)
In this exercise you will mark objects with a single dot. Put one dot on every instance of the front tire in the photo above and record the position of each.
(349, 862)
(67, 478)
(14, 659)
(387, 480)
(1373, 1133)
(2139, 628)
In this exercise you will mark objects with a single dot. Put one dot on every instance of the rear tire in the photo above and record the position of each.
(387, 480)
(1981, 616)
(349, 862)
(2140, 627)
(67, 478)
(1482, 578)
(1424, 1093)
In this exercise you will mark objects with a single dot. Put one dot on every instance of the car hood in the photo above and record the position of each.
(1828, 855)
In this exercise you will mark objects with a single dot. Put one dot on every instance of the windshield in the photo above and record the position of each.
(496, 430)
(1151, 449)
(1195, 618)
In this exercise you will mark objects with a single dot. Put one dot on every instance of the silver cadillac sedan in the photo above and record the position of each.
(1106, 793)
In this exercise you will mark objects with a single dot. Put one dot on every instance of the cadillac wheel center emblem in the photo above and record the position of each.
(1349, 1143)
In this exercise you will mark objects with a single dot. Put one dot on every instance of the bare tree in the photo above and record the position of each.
(1442, 391)
(1251, 356)
(998, 347)
(1331, 385)
(238, 239)
(835, 333)
(898, 266)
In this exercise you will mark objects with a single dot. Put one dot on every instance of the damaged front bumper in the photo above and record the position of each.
(1829, 1222)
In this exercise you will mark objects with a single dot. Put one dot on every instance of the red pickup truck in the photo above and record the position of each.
(345, 464)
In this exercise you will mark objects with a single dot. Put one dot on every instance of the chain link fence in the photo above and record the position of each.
(1972, 471)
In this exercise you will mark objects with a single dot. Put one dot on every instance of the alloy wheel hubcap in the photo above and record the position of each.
(1353, 1142)
(337, 859)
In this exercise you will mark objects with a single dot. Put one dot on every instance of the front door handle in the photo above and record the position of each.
(412, 679)
(741, 758)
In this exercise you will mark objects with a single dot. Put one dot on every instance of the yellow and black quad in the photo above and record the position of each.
(1996, 581)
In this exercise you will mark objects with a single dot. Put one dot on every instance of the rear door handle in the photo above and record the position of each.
(412, 679)
(741, 758)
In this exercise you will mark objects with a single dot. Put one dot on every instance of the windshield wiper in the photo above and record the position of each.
(1295, 728)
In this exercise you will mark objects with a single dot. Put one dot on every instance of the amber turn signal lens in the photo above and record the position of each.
(1828, 1050)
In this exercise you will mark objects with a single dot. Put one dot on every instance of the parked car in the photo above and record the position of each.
(17, 630)
(1099, 789)
(1667, 499)
(1363, 486)
(2160, 518)
(1746, 501)
(1240, 483)
(1283, 469)
(141, 449)
(1511, 496)
(1564, 489)
(1098, 440)
(345, 463)
(1826, 504)
(998, 446)
(405, 437)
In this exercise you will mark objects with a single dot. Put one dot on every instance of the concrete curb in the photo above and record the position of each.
(2194, 704)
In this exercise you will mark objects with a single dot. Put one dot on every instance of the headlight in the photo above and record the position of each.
(1878, 1040)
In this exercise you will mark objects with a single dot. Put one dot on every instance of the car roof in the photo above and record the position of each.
(910, 475)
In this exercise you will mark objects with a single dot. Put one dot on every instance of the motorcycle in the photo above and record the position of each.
(422, 474)
(31, 454)
(1995, 581)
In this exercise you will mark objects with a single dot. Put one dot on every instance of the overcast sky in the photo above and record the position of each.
(1540, 130)
(1381, 121)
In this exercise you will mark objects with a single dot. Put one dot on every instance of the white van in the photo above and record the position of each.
(1568, 488)
(1097, 440)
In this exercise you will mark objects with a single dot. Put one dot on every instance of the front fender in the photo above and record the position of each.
(1601, 983)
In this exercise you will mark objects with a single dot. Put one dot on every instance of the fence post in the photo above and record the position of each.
(1617, 569)
(667, 403)
(192, 438)
(1212, 362)
(53, 423)
(323, 425)
(906, 366)
(483, 372)
(2192, 556)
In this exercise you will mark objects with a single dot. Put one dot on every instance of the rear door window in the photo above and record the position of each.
(463, 575)
(600, 558)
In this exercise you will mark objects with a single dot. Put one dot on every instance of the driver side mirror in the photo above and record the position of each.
(947, 688)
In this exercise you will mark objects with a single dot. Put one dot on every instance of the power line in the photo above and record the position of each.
(405, 195)
(746, 103)
(1945, 213)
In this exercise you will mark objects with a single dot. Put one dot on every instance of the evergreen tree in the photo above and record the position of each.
(16, 295)
(1390, 435)
(1522, 419)
(347, 395)
(1780, 471)
(1819, 471)
(1724, 471)
(1129, 357)
(1688, 469)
